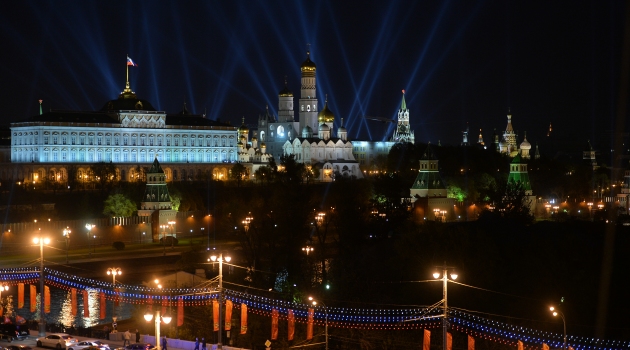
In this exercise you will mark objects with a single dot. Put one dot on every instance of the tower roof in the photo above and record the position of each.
(428, 153)
(285, 92)
(308, 64)
(403, 104)
(326, 115)
(155, 167)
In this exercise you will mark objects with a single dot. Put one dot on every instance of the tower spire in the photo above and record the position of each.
(40, 107)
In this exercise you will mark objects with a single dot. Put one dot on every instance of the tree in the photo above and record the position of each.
(103, 173)
(238, 173)
(294, 172)
(264, 173)
(117, 205)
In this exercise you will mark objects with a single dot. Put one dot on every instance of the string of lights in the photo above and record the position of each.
(339, 317)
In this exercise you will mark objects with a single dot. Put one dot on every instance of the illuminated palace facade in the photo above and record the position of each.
(127, 132)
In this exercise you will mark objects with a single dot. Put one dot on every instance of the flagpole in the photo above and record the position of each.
(127, 65)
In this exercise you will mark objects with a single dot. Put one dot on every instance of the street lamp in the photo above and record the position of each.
(326, 319)
(114, 271)
(148, 316)
(564, 323)
(89, 228)
(171, 223)
(246, 223)
(445, 280)
(66, 234)
(307, 249)
(163, 228)
(220, 259)
(3, 288)
(42, 321)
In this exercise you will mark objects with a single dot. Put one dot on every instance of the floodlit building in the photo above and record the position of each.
(128, 132)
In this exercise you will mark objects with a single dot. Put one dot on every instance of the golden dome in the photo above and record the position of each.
(325, 115)
(285, 92)
(308, 65)
(243, 128)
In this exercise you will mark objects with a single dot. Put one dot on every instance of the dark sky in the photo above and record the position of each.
(460, 62)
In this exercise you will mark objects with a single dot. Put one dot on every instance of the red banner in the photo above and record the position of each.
(20, 295)
(47, 299)
(471, 343)
(449, 341)
(215, 314)
(228, 315)
(102, 305)
(274, 324)
(1, 310)
(33, 297)
(291, 319)
(309, 324)
(426, 342)
(86, 304)
(164, 304)
(545, 346)
(180, 312)
(519, 345)
(73, 301)
(243, 318)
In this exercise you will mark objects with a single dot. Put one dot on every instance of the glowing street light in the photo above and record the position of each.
(66, 234)
(3, 288)
(42, 321)
(307, 249)
(445, 280)
(564, 323)
(219, 259)
(114, 271)
(314, 302)
(89, 228)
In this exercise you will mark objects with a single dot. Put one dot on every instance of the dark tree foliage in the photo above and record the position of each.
(104, 174)
(238, 173)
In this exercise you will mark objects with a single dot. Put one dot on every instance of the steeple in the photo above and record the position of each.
(403, 132)
(40, 107)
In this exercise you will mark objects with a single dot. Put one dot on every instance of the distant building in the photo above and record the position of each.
(428, 192)
(156, 203)
(127, 132)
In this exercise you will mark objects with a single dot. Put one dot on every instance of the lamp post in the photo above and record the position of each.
(314, 302)
(89, 228)
(148, 316)
(445, 280)
(564, 324)
(163, 228)
(3, 288)
(42, 321)
(66, 234)
(220, 259)
(114, 271)
(171, 223)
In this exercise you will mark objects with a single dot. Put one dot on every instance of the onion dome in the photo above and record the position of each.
(254, 138)
(342, 128)
(243, 128)
(525, 144)
(325, 115)
(308, 65)
(324, 127)
(263, 145)
(285, 92)
(307, 131)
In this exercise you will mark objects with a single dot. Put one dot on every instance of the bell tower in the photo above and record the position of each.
(308, 94)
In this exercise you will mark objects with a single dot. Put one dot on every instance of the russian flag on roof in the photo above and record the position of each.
(130, 62)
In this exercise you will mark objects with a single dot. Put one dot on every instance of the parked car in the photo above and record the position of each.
(137, 346)
(57, 341)
(10, 331)
(18, 347)
(97, 344)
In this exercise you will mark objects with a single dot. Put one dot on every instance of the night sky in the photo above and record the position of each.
(460, 62)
